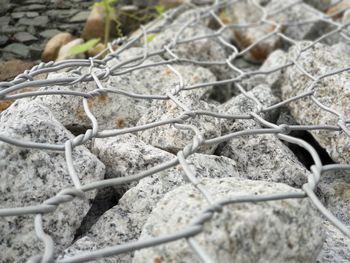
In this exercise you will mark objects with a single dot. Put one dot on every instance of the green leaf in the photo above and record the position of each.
(84, 47)
(160, 9)
(150, 37)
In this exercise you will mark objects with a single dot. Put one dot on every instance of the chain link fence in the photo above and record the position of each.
(211, 11)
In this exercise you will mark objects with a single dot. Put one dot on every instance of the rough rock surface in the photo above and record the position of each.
(336, 247)
(206, 49)
(171, 138)
(333, 92)
(264, 156)
(119, 111)
(126, 155)
(30, 176)
(126, 219)
(278, 231)
(246, 12)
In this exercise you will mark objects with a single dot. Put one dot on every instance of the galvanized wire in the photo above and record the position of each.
(79, 189)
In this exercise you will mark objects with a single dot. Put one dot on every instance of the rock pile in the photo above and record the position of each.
(233, 149)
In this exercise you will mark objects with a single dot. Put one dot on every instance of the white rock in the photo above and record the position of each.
(31, 176)
(65, 53)
(333, 92)
(278, 231)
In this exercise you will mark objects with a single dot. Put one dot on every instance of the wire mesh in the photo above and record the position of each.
(200, 12)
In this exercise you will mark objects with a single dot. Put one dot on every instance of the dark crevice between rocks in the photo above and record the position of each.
(105, 200)
(303, 155)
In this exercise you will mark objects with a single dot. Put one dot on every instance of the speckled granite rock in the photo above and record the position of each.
(241, 104)
(336, 247)
(278, 231)
(206, 49)
(246, 12)
(30, 176)
(332, 91)
(275, 60)
(126, 219)
(334, 191)
(119, 111)
(172, 139)
(322, 5)
(264, 156)
(126, 155)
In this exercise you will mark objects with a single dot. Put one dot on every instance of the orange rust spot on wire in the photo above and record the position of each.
(120, 123)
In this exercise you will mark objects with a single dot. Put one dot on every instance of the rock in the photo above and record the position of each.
(18, 49)
(64, 52)
(80, 17)
(127, 155)
(53, 46)
(128, 217)
(5, 5)
(275, 60)
(24, 37)
(170, 3)
(322, 5)
(264, 156)
(3, 40)
(298, 12)
(49, 33)
(241, 104)
(10, 69)
(95, 25)
(31, 176)
(207, 49)
(247, 13)
(33, 7)
(172, 139)
(69, 110)
(332, 92)
(336, 247)
(334, 191)
(236, 233)
(39, 21)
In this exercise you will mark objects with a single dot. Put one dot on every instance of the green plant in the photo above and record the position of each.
(110, 15)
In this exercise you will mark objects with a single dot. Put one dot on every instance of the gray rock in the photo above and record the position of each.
(30, 176)
(298, 12)
(32, 7)
(332, 92)
(153, 80)
(245, 13)
(18, 49)
(127, 218)
(274, 79)
(126, 155)
(278, 231)
(334, 191)
(241, 104)
(80, 17)
(5, 5)
(336, 247)
(49, 33)
(24, 37)
(3, 40)
(172, 139)
(264, 156)
(207, 49)
(39, 21)
(322, 5)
